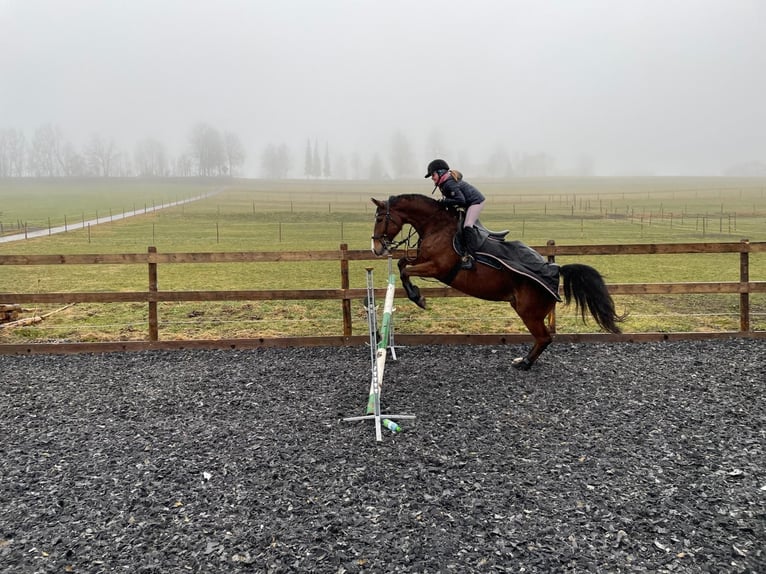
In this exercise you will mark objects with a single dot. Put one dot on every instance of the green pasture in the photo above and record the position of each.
(304, 215)
(254, 215)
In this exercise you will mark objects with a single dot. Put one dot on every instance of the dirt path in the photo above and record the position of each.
(99, 220)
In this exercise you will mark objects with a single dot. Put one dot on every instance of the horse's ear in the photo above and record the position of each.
(376, 202)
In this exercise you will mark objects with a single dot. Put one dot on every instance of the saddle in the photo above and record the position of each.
(483, 231)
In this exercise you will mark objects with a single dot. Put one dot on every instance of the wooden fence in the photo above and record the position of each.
(345, 295)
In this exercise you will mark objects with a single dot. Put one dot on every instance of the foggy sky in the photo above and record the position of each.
(647, 86)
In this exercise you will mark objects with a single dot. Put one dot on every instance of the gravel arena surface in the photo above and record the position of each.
(626, 457)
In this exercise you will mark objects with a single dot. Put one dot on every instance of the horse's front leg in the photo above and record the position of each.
(418, 270)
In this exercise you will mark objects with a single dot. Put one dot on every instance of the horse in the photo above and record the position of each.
(436, 258)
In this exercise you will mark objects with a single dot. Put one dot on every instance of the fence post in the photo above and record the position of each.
(552, 315)
(744, 288)
(344, 284)
(153, 319)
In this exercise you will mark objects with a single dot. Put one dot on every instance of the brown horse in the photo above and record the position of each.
(435, 257)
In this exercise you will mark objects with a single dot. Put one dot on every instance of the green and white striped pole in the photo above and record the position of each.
(380, 342)
(382, 347)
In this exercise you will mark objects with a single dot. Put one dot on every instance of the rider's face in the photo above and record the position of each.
(434, 176)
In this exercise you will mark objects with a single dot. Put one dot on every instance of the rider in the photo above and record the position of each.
(459, 193)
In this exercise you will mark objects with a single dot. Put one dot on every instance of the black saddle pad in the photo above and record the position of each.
(517, 257)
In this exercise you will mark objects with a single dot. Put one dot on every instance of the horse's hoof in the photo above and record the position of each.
(421, 302)
(521, 363)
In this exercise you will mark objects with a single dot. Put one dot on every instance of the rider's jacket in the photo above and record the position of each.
(459, 193)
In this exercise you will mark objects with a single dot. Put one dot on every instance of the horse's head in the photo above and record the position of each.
(386, 228)
(417, 210)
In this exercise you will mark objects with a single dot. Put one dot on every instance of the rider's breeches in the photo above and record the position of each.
(472, 214)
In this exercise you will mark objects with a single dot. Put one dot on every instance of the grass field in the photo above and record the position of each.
(252, 215)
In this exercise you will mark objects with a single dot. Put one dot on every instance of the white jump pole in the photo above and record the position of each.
(379, 353)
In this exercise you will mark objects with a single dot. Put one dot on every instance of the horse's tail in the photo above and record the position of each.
(587, 287)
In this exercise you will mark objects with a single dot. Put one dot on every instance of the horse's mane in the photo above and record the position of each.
(413, 197)
(424, 204)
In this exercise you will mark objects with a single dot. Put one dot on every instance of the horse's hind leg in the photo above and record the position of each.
(534, 319)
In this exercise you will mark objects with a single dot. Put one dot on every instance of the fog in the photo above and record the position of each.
(606, 87)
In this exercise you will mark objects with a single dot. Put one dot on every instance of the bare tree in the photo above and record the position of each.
(44, 158)
(499, 163)
(207, 150)
(275, 161)
(101, 155)
(536, 165)
(377, 171)
(12, 153)
(5, 162)
(18, 153)
(340, 171)
(356, 166)
(72, 163)
(123, 166)
(150, 159)
(184, 166)
(235, 152)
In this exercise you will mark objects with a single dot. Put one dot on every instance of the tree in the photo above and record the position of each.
(312, 165)
(5, 162)
(341, 167)
(207, 150)
(275, 161)
(184, 166)
(150, 159)
(356, 166)
(234, 152)
(12, 153)
(308, 161)
(499, 164)
(536, 165)
(44, 155)
(326, 171)
(101, 155)
(377, 171)
(316, 164)
(72, 163)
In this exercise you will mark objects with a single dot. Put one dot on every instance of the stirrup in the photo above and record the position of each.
(467, 262)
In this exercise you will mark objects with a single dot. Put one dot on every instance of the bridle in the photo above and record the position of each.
(388, 243)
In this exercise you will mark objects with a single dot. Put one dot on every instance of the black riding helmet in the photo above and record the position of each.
(436, 165)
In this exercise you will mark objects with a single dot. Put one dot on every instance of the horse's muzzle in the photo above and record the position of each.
(379, 246)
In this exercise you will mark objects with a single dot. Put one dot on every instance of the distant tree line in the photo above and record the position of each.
(48, 153)
(214, 153)
(401, 162)
(277, 162)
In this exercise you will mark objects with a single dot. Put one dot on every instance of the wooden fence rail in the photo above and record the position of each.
(345, 294)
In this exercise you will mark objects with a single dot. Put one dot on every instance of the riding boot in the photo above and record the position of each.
(470, 243)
